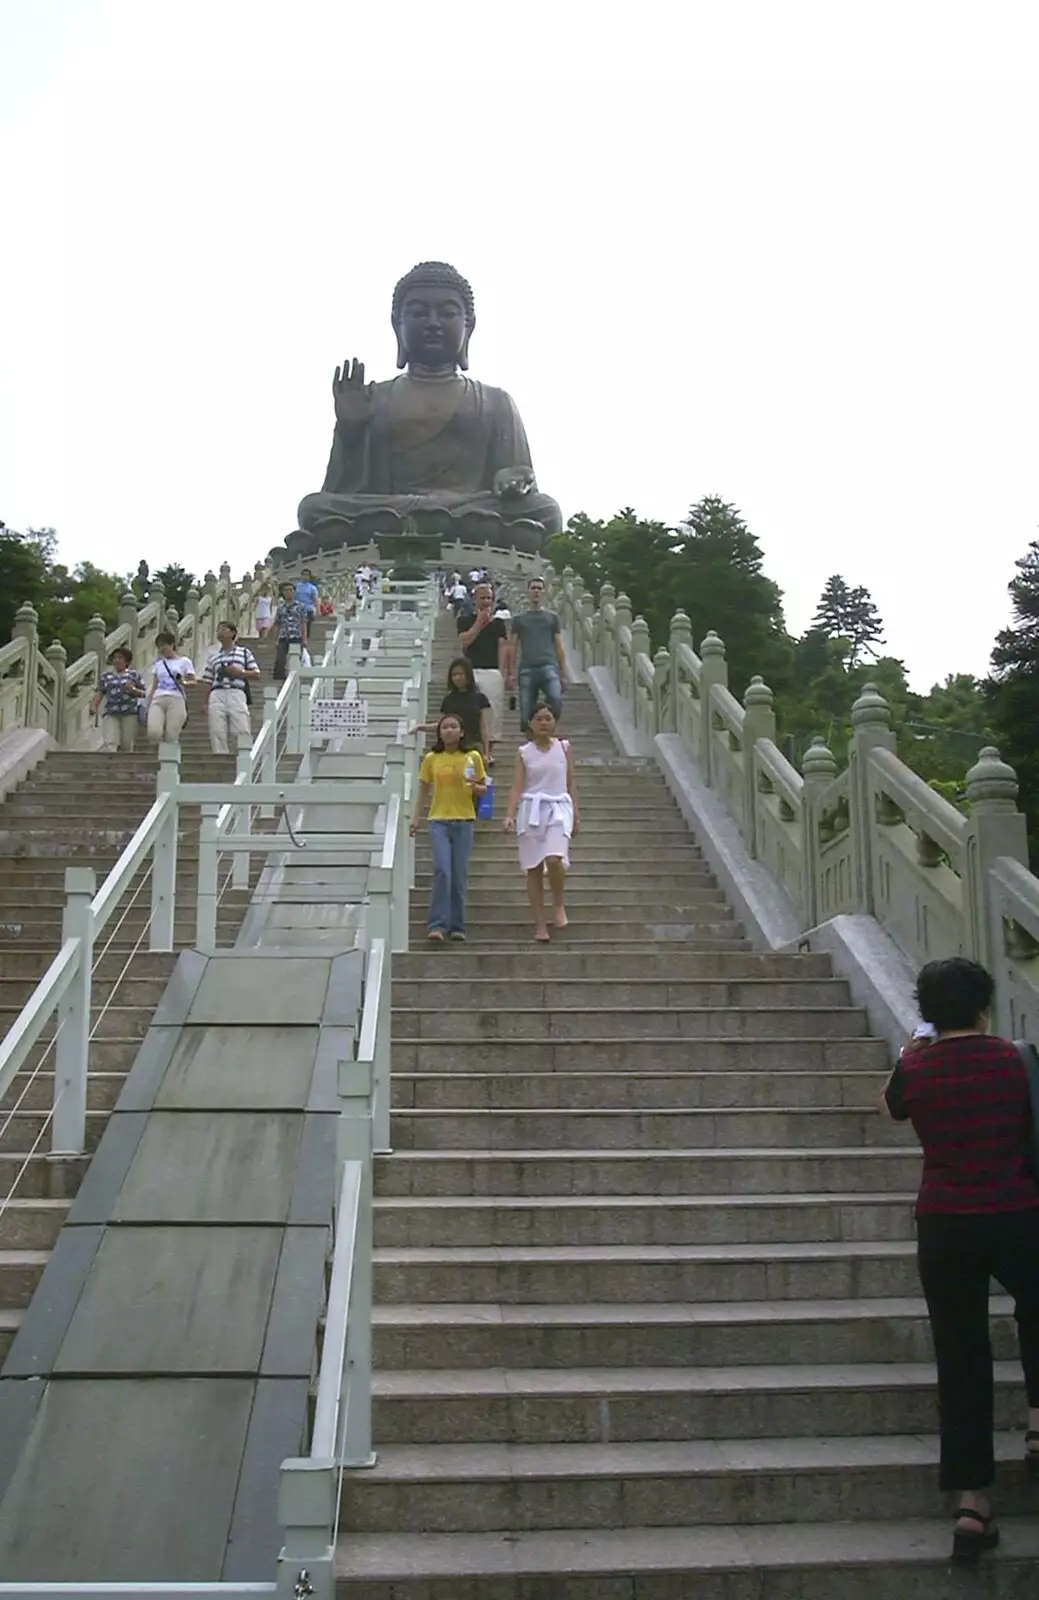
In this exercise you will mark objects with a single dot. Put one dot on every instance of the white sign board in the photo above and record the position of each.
(339, 719)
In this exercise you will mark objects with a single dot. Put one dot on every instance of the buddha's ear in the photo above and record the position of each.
(402, 354)
(463, 354)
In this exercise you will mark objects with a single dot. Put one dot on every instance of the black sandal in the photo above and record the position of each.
(968, 1548)
(1032, 1454)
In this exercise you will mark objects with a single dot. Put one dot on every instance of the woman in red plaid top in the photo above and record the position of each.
(977, 1213)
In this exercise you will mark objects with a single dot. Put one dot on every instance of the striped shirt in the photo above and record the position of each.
(236, 655)
(969, 1103)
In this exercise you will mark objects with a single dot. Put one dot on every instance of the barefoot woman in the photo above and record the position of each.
(542, 812)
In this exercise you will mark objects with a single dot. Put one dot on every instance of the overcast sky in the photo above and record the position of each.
(781, 252)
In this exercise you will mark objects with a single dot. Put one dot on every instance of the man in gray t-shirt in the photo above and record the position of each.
(536, 655)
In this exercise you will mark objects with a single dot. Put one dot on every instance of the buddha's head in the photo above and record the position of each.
(433, 317)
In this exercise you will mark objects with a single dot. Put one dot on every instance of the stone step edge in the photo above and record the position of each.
(837, 1453)
(634, 1202)
(496, 1383)
(670, 1153)
(600, 1553)
(724, 1254)
(405, 1314)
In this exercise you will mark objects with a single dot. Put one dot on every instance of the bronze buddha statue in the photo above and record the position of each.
(432, 452)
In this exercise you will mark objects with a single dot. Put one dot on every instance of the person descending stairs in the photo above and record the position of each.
(647, 1318)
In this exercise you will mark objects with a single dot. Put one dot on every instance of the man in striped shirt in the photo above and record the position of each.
(227, 678)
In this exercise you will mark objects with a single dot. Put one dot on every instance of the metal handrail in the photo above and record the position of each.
(130, 862)
(30, 1022)
(324, 1441)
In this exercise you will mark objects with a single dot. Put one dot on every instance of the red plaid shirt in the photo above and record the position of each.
(968, 1101)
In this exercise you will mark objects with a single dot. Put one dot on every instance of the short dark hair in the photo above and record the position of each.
(165, 638)
(954, 993)
(126, 654)
(535, 579)
(225, 624)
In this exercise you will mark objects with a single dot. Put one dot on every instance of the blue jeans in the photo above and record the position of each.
(452, 844)
(547, 679)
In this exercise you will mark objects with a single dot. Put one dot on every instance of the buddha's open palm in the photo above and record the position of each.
(353, 397)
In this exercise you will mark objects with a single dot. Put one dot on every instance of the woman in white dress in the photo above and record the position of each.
(542, 812)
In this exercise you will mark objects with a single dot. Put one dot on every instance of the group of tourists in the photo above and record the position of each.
(126, 699)
(456, 774)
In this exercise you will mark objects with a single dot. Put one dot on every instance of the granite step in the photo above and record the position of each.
(619, 1023)
(646, 1129)
(866, 1560)
(31, 1223)
(710, 923)
(680, 1334)
(621, 1405)
(633, 1091)
(525, 992)
(20, 1272)
(458, 1222)
(767, 1170)
(606, 966)
(802, 1271)
(666, 1053)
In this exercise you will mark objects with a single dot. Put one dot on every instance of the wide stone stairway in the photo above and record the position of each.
(81, 808)
(647, 1321)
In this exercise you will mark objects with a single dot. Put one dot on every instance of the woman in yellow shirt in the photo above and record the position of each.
(449, 778)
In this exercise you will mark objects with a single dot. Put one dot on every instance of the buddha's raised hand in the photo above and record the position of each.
(353, 397)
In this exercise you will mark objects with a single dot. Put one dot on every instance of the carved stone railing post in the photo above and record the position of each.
(157, 593)
(663, 693)
(643, 712)
(27, 628)
(604, 644)
(621, 619)
(759, 722)
(818, 770)
(587, 630)
(996, 828)
(128, 619)
(192, 601)
(94, 639)
(871, 730)
(715, 670)
(58, 657)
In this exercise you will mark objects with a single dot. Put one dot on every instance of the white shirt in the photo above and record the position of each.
(166, 670)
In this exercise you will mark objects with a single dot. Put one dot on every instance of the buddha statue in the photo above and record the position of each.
(432, 452)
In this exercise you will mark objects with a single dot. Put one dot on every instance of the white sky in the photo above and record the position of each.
(784, 252)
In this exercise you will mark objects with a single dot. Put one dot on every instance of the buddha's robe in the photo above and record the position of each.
(430, 444)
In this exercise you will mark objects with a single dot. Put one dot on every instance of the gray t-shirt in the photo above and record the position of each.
(536, 632)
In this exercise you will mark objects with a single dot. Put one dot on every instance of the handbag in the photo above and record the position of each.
(1030, 1058)
(179, 688)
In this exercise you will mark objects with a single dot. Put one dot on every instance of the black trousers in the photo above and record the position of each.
(958, 1255)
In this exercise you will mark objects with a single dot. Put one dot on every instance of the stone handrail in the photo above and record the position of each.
(874, 839)
(38, 689)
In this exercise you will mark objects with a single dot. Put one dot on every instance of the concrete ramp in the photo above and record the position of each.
(161, 1374)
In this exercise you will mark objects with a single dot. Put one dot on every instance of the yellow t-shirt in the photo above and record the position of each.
(444, 770)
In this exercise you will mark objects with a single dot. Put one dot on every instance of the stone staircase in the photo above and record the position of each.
(82, 808)
(647, 1317)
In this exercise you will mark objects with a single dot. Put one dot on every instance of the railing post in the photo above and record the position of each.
(871, 729)
(400, 892)
(379, 923)
(995, 828)
(640, 646)
(818, 770)
(27, 628)
(58, 659)
(164, 856)
(759, 722)
(242, 816)
(356, 1135)
(208, 853)
(294, 744)
(270, 754)
(307, 1513)
(663, 693)
(714, 669)
(71, 1052)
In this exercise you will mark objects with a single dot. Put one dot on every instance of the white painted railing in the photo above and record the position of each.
(874, 838)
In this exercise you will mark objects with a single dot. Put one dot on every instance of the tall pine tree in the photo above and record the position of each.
(850, 614)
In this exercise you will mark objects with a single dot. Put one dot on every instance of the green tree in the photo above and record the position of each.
(849, 614)
(1012, 692)
(23, 576)
(72, 598)
(716, 575)
(176, 581)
